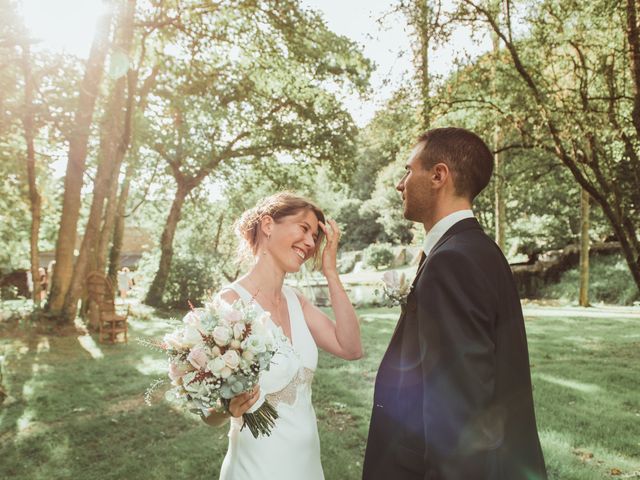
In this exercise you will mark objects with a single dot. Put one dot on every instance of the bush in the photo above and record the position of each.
(378, 255)
(192, 278)
(609, 282)
(9, 292)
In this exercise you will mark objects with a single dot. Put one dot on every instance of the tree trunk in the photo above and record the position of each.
(90, 238)
(420, 17)
(121, 133)
(584, 248)
(73, 180)
(118, 229)
(119, 222)
(28, 122)
(156, 290)
(500, 207)
(499, 195)
(112, 132)
(633, 39)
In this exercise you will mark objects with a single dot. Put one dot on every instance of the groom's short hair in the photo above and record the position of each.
(464, 152)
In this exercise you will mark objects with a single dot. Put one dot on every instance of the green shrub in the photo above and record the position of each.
(378, 255)
(609, 282)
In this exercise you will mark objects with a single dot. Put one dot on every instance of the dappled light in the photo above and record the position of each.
(89, 344)
(564, 382)
(152, 366)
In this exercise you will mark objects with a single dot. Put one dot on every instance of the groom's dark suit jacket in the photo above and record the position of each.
(453, 397)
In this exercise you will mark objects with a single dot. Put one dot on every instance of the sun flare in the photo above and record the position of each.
(63, 25)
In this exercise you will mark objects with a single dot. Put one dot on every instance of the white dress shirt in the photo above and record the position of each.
(442, 226)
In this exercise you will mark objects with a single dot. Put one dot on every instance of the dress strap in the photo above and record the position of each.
(244, 294)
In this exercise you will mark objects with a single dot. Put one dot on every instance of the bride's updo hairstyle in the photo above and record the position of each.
(277, 206)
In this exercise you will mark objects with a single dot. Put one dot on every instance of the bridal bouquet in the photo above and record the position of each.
(218, 353)
(396, 288)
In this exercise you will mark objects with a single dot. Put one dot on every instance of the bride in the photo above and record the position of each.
(281, 233)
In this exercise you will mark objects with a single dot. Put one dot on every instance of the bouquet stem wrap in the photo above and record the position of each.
(261, 421)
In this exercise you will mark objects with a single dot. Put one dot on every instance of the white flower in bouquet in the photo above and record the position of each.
(216, 365)
(217, 353)
(198, 358)
(222, 335)
(396, 288)
(231, 359)
(238, 330)
(191, 336)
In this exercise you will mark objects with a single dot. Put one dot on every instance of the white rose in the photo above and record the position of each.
(191, 336)
(222, 335)
(216, 365)
(215, 351)
(193, 319)
(248, 356)
(235, 344)
(238, 330)
(232, 359)
(225, 372)
(174, 340)
(254, 344)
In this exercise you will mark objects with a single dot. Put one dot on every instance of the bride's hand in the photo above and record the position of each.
(330, 252)
(239, 405)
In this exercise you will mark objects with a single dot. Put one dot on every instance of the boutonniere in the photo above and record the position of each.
(395, 289)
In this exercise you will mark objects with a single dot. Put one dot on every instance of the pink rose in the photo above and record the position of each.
(176, 373)
(198, 358)
(232, 359)
(193, 319)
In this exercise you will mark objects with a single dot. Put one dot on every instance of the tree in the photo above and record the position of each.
(582, 82)
(113, 145)
(29, 125)
(424, 18)
(78, 139)
(251, 93)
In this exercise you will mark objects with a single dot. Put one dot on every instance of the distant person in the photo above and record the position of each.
(50, 268)
(453, 397)
(124, 282)
(44, 282)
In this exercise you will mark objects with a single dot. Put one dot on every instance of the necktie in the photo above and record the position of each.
(423, 257)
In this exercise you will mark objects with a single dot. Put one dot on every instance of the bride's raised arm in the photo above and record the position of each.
(341, 338)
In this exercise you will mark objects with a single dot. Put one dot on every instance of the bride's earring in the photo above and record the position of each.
(264, 252)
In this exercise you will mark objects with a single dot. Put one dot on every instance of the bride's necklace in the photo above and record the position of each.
(276, 306)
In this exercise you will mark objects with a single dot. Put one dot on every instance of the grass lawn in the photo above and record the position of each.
(78, 409)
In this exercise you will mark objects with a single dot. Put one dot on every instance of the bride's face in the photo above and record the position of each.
(292, 239)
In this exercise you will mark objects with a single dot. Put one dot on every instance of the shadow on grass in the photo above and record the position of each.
(81, 417)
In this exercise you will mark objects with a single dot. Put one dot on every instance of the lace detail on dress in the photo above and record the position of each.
(289, 393)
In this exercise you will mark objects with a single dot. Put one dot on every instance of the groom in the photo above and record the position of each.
(453, 394)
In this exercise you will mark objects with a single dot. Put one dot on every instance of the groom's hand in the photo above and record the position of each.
(239, 405)
(330, 252)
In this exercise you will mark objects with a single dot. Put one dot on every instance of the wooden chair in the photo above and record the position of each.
(110, 324)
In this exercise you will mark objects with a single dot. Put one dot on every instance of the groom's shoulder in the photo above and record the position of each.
(471, 241)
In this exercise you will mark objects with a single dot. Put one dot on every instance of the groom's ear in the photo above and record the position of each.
(439, 173)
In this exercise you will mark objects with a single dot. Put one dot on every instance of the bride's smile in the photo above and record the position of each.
(291, 240)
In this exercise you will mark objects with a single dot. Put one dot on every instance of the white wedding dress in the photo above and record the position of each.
(292, 451)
